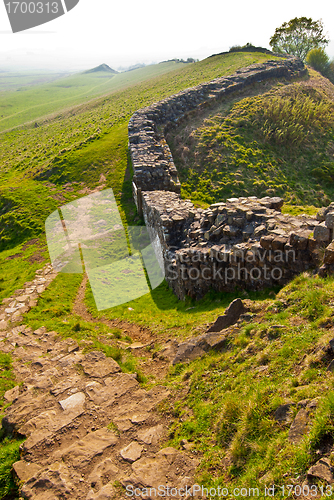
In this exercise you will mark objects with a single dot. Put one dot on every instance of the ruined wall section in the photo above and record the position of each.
(152, 160)
(243, 242)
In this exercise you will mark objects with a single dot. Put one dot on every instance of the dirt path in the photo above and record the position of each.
(91, 430)
(137, 333)
(143, 340)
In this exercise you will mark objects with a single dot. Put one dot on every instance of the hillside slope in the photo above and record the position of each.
(274, 139)
(101, 68)
(44, 167)
(232, 409)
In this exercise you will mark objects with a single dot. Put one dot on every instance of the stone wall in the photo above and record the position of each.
(152, 160)
(243, 242)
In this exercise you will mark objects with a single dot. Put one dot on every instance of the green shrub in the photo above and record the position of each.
(319, 60)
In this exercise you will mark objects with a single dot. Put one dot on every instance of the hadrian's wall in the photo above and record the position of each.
(244, 242)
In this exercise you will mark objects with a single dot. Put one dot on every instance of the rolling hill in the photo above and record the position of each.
(102, 68)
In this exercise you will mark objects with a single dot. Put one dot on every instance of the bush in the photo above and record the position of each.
(319, 60)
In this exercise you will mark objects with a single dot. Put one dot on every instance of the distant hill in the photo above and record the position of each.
(103, 67)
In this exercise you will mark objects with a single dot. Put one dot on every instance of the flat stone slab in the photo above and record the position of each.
(51, 483)
(73, 402)
(96, 364)
(25, 470)
(83, 451)
(45, 425)
(64, 385)
(322, 470)
(106, 471)
(114, 388)
(132, 452)
(151, 435)
(12, 394)
(167, 467)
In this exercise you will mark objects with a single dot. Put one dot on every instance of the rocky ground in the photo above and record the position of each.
(91, 430)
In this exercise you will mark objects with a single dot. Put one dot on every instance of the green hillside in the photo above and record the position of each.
(100, 69)
(11, 80)
(222, 405)
(79, 145)
(27, 103)
(274, 139)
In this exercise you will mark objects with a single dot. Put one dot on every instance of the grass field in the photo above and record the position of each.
(11, 80)
(27, 103)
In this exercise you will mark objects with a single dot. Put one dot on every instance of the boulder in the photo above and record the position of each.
(283, 413)
(230, 317)
(198, 346)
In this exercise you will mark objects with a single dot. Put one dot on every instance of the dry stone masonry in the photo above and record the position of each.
(240, 242)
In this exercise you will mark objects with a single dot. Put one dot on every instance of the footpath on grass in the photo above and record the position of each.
(92, 432)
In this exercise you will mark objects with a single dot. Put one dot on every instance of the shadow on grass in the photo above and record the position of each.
(165, 299)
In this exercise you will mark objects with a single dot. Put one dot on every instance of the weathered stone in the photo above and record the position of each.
(283, 413)
(74, 402)
(231, 316)
(131, 452)
(12, 394)
(22, 298)
(104, 472)
(3, 325)
(321, 215)
(64, 385)
(25, 470)
(55, 481)
(168, 467)
(96, 364)
(329, 254)
(322, 470)
(299, 426)
(258, 231)
(24, 408)
(151, 435)
(107, 492)
(266, 241)
(188, 351)
(115, 387)
(45, 425)
(330, 220)
(321, 233)
(81, 453)
(140, 417)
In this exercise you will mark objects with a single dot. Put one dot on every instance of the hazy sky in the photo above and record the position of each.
(134, 31)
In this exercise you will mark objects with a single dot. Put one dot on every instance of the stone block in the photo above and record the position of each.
(330, 220)
(266, 242)
(329, 254)
(321, 233)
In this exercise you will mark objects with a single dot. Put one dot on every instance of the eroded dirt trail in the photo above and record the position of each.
(137, 333)
(91, 430)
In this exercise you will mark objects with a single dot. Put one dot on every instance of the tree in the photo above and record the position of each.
(319, 60)
(298, 37)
